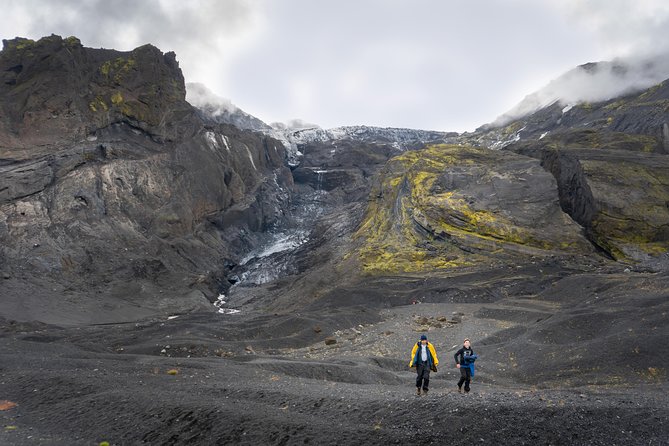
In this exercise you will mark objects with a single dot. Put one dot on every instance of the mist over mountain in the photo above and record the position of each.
(594, 82)
(295, 133)
(221, 110)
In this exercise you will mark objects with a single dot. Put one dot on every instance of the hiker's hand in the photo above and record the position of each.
(457, 365)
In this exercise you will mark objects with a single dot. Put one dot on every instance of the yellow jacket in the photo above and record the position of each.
(431, 357)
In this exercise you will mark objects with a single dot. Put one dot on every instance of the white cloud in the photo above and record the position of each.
(384, 63)
(593, 83)
(205, 34)
(198, 95)
(621, 28)
(432, 64)
(294, 124)
(631, 33)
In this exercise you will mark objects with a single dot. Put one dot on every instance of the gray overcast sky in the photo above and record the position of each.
(432, 64)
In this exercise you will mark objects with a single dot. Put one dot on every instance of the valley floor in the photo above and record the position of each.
(188, 381)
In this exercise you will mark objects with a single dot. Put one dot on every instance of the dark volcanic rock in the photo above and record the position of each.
(619, 196)
(452, 206)
(111, 186)
(346, 165)
(610, 163)
(56, 90)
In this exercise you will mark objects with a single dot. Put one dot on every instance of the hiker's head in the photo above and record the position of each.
(466, 343)
(423, 339)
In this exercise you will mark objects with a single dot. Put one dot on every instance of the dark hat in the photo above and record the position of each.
(423, 338)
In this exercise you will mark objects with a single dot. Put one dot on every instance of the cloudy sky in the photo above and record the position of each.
(433, 64)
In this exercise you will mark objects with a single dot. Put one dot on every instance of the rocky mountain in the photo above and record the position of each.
(609, 161)
(401, 139)
(172, 274)
(297, 135)
(593, 83)
(109, 175)
(568, 181)
(114, 192)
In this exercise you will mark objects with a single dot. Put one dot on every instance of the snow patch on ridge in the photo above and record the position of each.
(251, 158)
(296, 132)
(225, 143)
(211, 139)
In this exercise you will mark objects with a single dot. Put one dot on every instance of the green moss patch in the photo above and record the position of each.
(415, 224)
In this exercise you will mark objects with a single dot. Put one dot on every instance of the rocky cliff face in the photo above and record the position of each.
(610, 163)
(452, 206)
(116, 200)
(578, 185)
(55, 90)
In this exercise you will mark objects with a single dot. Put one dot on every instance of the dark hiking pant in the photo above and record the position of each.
(423, 378)
(465, 377)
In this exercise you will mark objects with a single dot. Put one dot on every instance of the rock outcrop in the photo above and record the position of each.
(610, 162)
(116, 200)
(451, 206)
(619, 196)
(55, 91)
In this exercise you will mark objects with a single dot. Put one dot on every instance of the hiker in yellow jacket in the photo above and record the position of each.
(424, 358)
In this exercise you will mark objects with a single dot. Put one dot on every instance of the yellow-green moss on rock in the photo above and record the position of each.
(436, 208)
(98, 105)
(116, 98)
(72, 41)
(117, 68)
(632, 196)
(19, 44)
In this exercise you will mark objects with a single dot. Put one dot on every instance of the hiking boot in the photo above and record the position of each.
(424, 392)
(459, 389)
(418, 391)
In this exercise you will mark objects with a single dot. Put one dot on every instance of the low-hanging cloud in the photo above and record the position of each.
(198, 95)
(294, 124)
(594, 83)
(196, 29)
(637, 41)
(621, 28)
(441, 65)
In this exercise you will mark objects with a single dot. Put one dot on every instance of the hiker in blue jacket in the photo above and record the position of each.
(464, 360)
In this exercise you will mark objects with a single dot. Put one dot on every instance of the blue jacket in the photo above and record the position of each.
(466, 357)
(469, 362)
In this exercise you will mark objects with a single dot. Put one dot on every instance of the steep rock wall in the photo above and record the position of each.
(454, 206)
(113, 192)
(618, 195)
